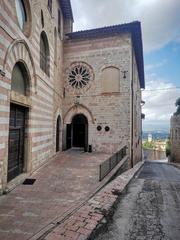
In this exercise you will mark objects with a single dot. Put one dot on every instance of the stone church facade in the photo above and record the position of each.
(61, 89)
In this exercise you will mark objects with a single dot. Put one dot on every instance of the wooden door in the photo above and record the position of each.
(57, 134)
(68, 136)
(16, 141)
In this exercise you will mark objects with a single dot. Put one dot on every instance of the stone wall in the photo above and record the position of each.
(175, 138)
(46, 92)
(137, 121)
(49, 97)
(113, 109)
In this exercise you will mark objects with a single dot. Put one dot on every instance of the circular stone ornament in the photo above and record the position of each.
(99, 128)
(79, 76)
(107, 128)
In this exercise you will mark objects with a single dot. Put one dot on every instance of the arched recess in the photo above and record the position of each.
(19, 51)
(79, 109)
(110, 80)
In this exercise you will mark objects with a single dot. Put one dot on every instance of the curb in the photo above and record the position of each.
(176, 165)
(95, 214)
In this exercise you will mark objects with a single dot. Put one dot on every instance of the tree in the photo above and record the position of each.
(148, 145)
(178, 107)
(168, 147)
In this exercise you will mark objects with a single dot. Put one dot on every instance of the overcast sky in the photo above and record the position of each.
(161, 39)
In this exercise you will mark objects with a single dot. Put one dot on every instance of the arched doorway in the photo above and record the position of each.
(77, 132)
(58, 126)
(80, 131)
(18, 122)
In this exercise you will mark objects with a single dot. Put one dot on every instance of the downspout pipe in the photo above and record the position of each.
(132, 107)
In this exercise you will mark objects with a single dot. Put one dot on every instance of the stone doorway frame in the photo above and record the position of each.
(19, 51)
(68, 117)
(85, 131)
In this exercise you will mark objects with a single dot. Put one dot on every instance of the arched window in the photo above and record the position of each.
(21, 13)
(110, 80)
(42, 19)
(19, 79)
(44, 53)
(50, 5)
(55, 45)
(59, 22)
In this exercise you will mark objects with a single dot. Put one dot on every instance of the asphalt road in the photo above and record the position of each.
(150, 210)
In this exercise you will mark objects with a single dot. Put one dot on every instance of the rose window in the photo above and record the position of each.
(79, 77)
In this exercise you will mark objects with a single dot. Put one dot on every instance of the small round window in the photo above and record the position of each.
(99, 128)
(21, 13)
(107, 128)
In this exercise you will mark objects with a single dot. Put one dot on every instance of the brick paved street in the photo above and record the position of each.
(91, 217)
(60, 186)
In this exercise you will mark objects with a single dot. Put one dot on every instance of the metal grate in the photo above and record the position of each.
(29, 181)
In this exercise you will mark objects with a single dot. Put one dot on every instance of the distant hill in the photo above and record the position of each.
(158, 134)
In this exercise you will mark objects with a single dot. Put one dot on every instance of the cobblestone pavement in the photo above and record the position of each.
(60, 186)
(150, 210)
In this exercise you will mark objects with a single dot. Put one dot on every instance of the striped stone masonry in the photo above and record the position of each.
(110, 100)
